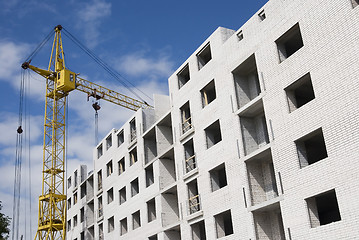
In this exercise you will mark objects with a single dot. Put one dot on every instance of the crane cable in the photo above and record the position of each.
(18, 163)
(105, 66)
(39, 47)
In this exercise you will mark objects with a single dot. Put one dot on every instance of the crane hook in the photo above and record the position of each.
(96, 106)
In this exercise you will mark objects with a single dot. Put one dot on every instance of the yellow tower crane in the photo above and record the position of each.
(59, 83)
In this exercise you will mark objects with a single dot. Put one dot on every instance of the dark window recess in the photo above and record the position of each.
(154, 237)
(300, 92)
(151, 210)
(246, 81)
(208, 93)
(121, 166)
(183, 76)
(134, 187)
(133, 156)
(290, 42)
(213, 134)
(99, 151)
(109, 195)
(149, 176)
(240, 35)
(323, 209)
(120, 138)
(218, 177)
(108, 142)
(355, 3)
(136, 220)
(224, 225)
(204, 56)
(122, 194)
(186, 117)
(311, 148)
(123, 226)
(262, 15)
(198, 231)
(111, 224)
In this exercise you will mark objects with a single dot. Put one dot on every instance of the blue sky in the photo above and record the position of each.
(145, 41)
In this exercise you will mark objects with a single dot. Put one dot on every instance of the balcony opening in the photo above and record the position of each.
(99, 151)
(194, 203)
(173, 233)
(111, 224)
(133, 133)
(109, 142)
(68, 203)
(323, 209)
(83, 190)
(268, 223)
(109, 168)
(133, 156)
(311, 148)
(121, 166)
(186, 117)
(149, 175)
(99, 180)
(82, 235)
(123, 226)
(204, 56)
(164, 135)
(190, 158)
(208, 93)
(122, 194)
(218, 177)
(224, 225)
(170, 207)
(151, 210)
(167, 169)
(69, 225)
(82, 214)
(134, 187)
(75, 198)
(150, 145)
(300, 92)
(75, 178)
(254, 128)
(213, 134)
(90, 234)
(136, 220)
(100, 231)
(289, 43)
(100, 208)
(120, 138)
(246, 81)
(198, 231)
(183, 76)
(110, 196)
(261, 178)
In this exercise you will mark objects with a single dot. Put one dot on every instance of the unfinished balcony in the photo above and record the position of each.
(150, 145)
(167, 169)
(89, 188)
(254, 128)
(173, 233)
(90, 214)
(190, 157)
(268, 223)
(133, 132)
(169, 205)
(194, 201)
(261, 178)
(186, 120)
(246, 81)
(164, 134)
(198, 231)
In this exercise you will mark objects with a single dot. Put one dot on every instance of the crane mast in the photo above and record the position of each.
(59, 82)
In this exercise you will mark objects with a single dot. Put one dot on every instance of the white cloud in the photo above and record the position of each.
(10, 59)
(90, 18)
(137, 64)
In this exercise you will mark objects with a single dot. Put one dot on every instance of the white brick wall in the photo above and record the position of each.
(330, 35)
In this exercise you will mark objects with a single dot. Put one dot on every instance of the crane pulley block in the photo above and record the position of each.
(66, 80)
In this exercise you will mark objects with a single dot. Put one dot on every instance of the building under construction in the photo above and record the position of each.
(258, 139)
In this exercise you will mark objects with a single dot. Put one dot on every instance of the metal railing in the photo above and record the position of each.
(194, 204)
(191, 163)
(186, 125)
(133, 135)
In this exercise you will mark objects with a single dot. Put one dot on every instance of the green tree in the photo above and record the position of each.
(4, 225)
